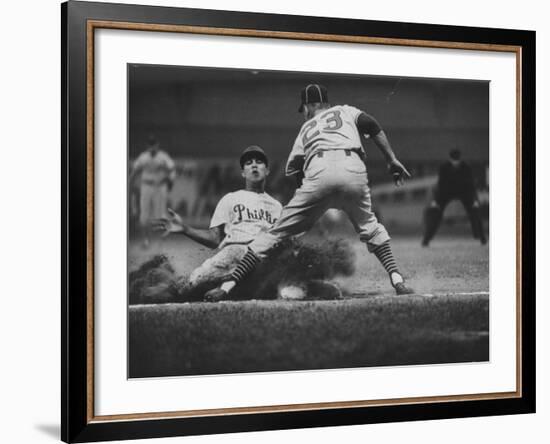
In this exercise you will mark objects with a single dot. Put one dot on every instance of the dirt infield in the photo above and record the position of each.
(449, 265)
(258, 336)
(304, 266)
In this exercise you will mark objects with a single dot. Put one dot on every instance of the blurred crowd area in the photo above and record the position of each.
(204, 118)
(200, 184)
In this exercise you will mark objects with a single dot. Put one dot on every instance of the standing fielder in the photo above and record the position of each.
(156, 172)
(239, 217)
(329, 160)
(455, 181)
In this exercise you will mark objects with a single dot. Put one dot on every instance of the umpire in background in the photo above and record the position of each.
(455, 181)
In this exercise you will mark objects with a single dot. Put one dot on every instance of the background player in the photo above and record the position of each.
(329, 157)
(154, 171)
(455, 181)
(239, 218)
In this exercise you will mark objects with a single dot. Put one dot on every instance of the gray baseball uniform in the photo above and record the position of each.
(156, 169)
(244, 215)
(329, 154)
(329, 148)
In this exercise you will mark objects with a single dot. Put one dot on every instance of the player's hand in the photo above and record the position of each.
(398, 172)
(171, 224)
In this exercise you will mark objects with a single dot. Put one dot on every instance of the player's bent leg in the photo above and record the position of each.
(218, 268)
(297, 217)
(378, 243)
(384, 254)
(373, 235)
(248, 263)
(246, 266)
(432, 220)
(210, 274)
(146, 211)
(474, 214)
(377, 239)
(161, 203)
(144, 204)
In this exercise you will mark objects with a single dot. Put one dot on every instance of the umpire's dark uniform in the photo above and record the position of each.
(455, 181)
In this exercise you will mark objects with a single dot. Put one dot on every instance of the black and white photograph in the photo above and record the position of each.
(284, 221)
(265, 222)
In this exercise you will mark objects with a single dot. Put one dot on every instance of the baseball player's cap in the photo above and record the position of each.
(313, 93)
(253, 151)
(455, 154)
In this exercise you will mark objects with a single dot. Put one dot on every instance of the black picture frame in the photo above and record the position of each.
(78, 423)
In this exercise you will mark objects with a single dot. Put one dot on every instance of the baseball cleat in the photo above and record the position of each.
(215, 295)
(401, 289)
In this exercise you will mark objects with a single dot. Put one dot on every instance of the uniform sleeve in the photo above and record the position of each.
(279, 209)
(295, 160)
(139, 162)
(366, 124)
(352, 111)
(168, 162)
(221, 213)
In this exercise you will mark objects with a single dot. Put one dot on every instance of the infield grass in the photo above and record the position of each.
(371, 327)
(257, 336)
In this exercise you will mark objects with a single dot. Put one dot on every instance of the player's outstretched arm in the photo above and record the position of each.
(211, 237)
(368, 125)
(396, 168)
(383, 144)
(398, 172)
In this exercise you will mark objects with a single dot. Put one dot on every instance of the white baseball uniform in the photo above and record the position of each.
(329, 151)
(155, 171)
(244, 215)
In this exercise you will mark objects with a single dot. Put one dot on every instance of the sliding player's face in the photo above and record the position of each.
(255, 170)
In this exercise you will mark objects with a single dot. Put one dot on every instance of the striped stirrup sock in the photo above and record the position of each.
(385, 256)
(246, 266)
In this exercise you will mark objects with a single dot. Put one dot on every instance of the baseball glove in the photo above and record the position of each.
(398, 172)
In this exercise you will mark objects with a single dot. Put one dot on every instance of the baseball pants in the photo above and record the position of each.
(219, 267)
(333, 179)
(153, 201)
(434, 214)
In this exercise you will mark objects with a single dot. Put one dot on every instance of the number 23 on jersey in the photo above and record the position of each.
(328, 122)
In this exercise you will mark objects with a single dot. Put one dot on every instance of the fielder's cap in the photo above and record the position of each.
(313, 93)
(455, 154)
(253, 151)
